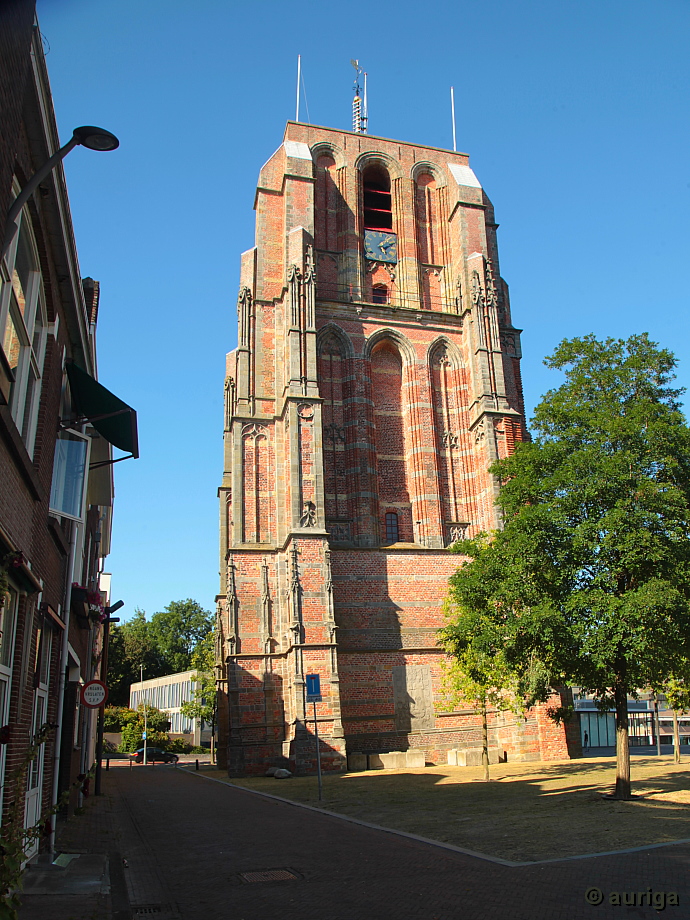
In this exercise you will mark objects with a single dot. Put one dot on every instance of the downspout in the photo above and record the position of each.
(61, 685)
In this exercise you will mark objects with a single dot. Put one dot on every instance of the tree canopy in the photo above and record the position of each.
(164, 644)
(589, 580)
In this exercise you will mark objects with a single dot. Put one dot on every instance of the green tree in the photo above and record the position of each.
(177, 630)
(589, 580)
(164, 645)
(477, 671)
(204, 704)
(133, 723)
(130, 645)
(677, 692)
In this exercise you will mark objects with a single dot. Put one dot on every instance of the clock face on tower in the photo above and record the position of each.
(380, 246)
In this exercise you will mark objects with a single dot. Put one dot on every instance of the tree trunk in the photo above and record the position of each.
(485, 743)
(622, 790)
(676, 738)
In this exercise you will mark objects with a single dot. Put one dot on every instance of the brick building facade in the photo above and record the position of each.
(376, 378)
(55, 475)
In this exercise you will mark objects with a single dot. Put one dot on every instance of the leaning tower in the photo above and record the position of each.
(375, 381)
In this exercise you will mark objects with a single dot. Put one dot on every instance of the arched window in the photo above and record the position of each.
(379, 294)
(392, 531)
(378, 214)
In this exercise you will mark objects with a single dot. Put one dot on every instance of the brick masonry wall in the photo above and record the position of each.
(366, 409)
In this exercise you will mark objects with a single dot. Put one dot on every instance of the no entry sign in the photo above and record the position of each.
(94, 694)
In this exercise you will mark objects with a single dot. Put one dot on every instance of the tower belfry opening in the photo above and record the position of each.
(375, 381)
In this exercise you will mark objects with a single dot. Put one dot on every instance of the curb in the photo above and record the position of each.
(438, 843)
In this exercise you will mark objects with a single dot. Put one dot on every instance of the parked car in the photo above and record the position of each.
(154, 754)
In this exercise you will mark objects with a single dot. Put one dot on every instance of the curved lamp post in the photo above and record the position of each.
(88, 136)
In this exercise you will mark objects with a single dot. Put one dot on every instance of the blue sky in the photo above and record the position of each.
(575, 116)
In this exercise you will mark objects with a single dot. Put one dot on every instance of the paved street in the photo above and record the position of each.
(186, 839)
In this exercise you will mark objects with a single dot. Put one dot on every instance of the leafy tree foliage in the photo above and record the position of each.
(589, 580)
(133, 722)
(477, 671)
(164, 645)
(177, 630)
(677, 691)
(204, 705)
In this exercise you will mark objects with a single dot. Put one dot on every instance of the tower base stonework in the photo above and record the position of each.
(375, 381)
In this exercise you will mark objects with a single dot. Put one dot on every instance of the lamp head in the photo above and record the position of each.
(95, 138)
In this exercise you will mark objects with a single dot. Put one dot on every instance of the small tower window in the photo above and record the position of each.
(378, 213)
(392, 531)
(379, 294)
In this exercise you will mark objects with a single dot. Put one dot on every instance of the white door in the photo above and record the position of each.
(32, 813)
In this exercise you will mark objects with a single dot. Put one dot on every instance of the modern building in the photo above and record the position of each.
(598, 727)
(168, 693)
(376, 379)
(57, 428)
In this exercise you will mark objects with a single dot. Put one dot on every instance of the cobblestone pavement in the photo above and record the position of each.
(187, 839)
(205, 833)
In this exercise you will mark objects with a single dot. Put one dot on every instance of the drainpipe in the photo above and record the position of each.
(64, 653)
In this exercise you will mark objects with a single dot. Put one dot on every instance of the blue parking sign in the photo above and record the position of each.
(313, 688)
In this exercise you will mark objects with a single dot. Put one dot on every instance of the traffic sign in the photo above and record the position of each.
(313, 688)
(94, 693)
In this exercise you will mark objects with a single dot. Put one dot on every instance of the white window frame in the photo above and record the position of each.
(9, 626)
(31, 331)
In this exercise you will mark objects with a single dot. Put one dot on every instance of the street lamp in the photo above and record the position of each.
(86, 136)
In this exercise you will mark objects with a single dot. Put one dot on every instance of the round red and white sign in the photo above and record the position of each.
(94, 694)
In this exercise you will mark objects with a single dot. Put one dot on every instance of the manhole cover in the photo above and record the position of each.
(268, 875)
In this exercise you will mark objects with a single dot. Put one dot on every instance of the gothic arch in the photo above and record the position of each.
(326, 148)
(452, 350)
(373, 158)
(332, 330)
(424, 166)
(402, 343)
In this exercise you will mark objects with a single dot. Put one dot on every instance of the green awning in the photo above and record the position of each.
(110, 416)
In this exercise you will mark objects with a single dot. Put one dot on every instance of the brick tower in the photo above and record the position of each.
(375, 380)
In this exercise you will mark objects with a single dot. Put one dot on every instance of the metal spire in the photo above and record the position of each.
(359, 106)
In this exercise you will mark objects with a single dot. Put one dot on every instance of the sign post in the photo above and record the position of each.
(314, 696)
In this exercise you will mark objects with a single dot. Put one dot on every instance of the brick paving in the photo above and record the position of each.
(186, 840)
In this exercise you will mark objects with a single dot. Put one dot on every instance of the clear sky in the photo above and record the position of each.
(575, 116)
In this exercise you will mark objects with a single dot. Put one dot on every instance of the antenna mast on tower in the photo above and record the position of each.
(360, 114)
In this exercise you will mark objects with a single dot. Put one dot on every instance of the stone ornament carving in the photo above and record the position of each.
(491, 294)
(335, 433)
(254, 431)
(449, 439)
(305, 412)
(309, 267)
(372, 266)
(456, 532)
(508, 343)
(308, 518)
(457, 300)
(413, 698)
(339, 531)
(479, 433)
(477, 293)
